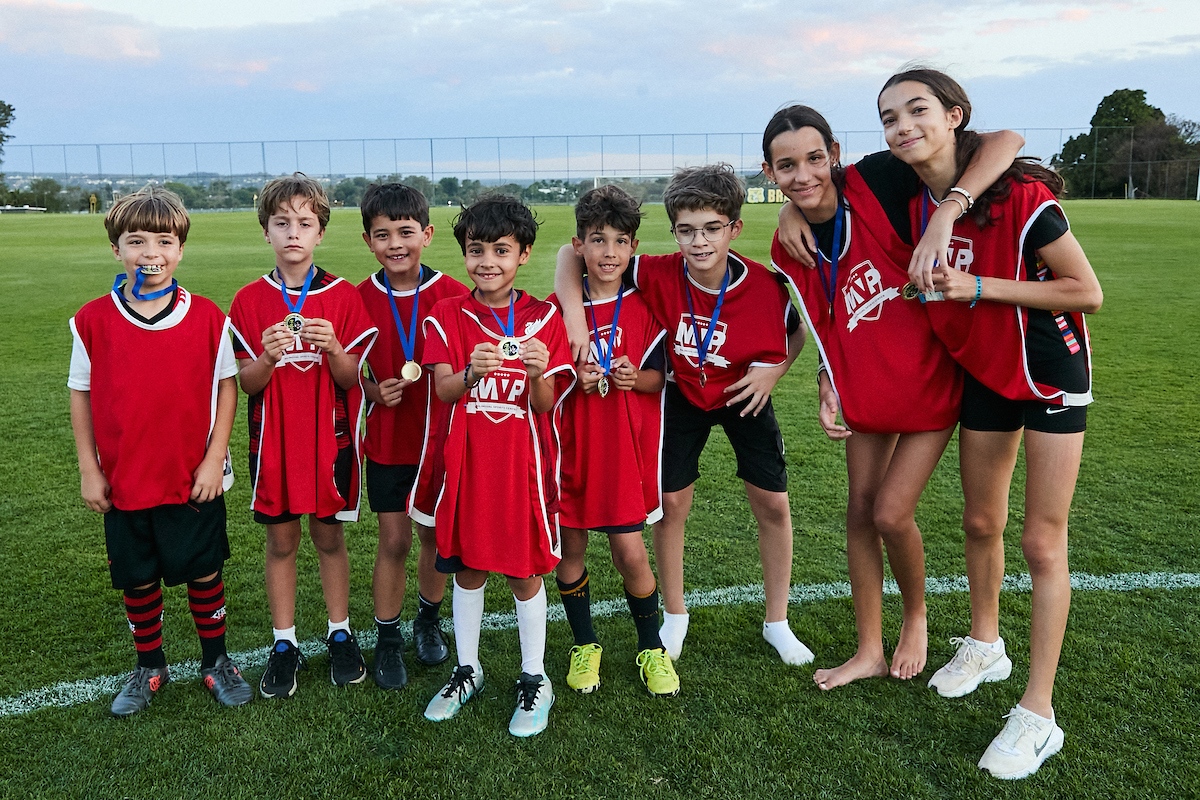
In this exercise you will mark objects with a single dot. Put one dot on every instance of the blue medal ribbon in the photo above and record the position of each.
(605, 355)
(926, 197)
(308, 279)
(408, 343)
(830, 284)
(138, 280)
(702, 351)
(507, 331)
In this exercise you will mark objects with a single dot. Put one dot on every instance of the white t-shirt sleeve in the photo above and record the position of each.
(226, 362)
(79, 377)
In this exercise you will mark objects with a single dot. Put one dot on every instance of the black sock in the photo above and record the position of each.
(206, 601)
(427, 611)
(144, 610)
(645, 618)
(389, 631)
(577, 603)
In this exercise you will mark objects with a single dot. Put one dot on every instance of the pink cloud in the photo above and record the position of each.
(48, 27)
(1074, 14)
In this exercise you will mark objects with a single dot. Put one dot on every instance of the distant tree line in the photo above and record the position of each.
(1132, 150)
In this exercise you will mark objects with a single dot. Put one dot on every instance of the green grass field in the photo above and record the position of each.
(744, 724)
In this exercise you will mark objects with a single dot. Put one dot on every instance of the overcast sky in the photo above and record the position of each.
(153, 70)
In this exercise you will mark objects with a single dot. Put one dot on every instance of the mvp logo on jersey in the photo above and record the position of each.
(302, 356)
(865, 295)
(961, 254)
(499, 395)
(687, 346)
(597, 351)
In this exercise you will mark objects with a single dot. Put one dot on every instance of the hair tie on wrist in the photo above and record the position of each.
(978, 291)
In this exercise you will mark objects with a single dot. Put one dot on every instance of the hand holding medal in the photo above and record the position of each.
(293, 323)
(536, 357)
(624, 374)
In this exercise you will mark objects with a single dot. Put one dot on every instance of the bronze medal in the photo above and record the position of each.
(411, 371)
(703, 378)
(602, 386)
(510, 348)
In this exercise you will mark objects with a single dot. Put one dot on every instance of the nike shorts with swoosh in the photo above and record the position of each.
(985, 410)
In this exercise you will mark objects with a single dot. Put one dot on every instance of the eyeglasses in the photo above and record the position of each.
(685, 234)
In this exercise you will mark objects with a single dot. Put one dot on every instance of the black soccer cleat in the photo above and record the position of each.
(431, 642)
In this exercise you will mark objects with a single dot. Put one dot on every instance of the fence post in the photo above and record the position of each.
(431, 171)
(100, 164)
(1095, 155)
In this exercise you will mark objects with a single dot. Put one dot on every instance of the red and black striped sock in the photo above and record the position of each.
(206, 600)
(144, 609)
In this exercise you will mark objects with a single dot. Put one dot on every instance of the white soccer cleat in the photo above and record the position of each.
(463, 685)
(535, 698)
(973, 664)
(1025, 743)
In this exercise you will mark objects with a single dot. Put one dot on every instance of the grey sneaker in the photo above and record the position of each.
(226, 683)
(973, 664)
(139, 690)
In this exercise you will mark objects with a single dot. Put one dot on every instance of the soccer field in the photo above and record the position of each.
(744, 725)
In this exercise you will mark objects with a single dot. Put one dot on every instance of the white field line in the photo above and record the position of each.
(66, 694)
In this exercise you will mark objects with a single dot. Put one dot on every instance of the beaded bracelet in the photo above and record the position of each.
(467, 374)
(978, 291)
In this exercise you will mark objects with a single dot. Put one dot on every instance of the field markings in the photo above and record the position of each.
(67, 694)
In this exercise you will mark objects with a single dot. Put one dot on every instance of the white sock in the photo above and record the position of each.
(1047, 720)
(468, 619)
(344, 625)
(791, 650)
(531, 625)
(673, 632)
(286, 634)
(994, 647)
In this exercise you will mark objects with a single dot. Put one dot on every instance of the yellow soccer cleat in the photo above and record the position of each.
(658, 673)
(584, 673)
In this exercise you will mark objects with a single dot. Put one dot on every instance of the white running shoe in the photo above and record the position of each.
(973, 664)
(535, 698)
(1026, 741)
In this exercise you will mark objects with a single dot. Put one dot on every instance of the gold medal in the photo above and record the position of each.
(510, 348)
(602, 386)
(293, 323)
(910, 291)
(411, 371)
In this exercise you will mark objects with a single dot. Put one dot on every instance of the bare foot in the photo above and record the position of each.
(857, 668)
(909, 658)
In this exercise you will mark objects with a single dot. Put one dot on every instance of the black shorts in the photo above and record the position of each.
(341, 480)
(171, 543)
(388, 486)
(985, 410)
(756, 441)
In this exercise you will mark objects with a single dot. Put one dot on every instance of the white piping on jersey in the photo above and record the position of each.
(733, 284)
(1067, 398)
(650, 348)
(531, 328)
(270, 278)
(799, 303)
(434, 278)
(183, 304)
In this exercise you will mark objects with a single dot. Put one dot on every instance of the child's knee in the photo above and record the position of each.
(629, 555)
